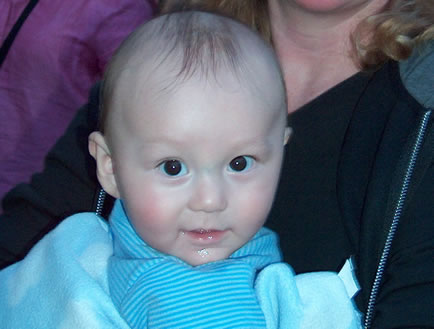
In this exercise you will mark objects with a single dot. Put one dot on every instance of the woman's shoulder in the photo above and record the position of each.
(417, 74)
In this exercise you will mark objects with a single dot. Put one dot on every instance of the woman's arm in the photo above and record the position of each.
(67, 185)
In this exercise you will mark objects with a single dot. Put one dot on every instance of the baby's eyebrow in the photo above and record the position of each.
(255, 147)
(264, 149)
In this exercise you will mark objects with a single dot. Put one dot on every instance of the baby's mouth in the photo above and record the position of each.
(205, 236)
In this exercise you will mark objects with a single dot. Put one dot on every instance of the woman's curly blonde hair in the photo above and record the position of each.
(392, 34)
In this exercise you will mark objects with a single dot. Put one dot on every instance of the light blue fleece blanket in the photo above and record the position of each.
(62, 284)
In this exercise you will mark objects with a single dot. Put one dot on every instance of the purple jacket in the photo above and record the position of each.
(60, 51)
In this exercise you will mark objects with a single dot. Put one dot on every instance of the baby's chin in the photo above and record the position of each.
(205, 256)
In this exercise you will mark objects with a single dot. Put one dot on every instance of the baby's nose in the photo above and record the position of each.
(208, 194)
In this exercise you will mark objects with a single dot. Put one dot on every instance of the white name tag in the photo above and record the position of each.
(348, 276)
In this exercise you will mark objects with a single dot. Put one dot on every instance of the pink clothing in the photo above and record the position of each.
(60, 51)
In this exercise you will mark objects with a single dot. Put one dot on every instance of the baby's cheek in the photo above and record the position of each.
(254, 210)
(256, 206)
(147, 212)
(260, 198)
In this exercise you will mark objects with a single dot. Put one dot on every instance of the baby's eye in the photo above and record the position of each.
(241, 163)
(173, 168)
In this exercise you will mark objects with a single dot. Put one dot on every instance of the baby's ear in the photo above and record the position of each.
(288, 133)
(104, 165)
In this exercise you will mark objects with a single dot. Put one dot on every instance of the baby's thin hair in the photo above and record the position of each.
(205, 43)
(193, 42)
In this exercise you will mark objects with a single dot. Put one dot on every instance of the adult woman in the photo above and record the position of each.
(323, 209)
(345, 165)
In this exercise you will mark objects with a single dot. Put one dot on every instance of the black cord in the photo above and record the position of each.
(15, 29)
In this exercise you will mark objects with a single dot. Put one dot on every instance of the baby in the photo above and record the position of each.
(191, 141)
(192, 134)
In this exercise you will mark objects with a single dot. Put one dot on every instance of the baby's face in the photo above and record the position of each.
(197, 169)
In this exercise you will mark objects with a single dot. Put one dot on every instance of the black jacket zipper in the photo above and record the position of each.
(396, 218)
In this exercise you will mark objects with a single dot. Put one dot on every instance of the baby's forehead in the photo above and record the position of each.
(226, 108)
(152, 91)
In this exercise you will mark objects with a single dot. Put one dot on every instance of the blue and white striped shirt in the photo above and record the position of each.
(155, 290)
